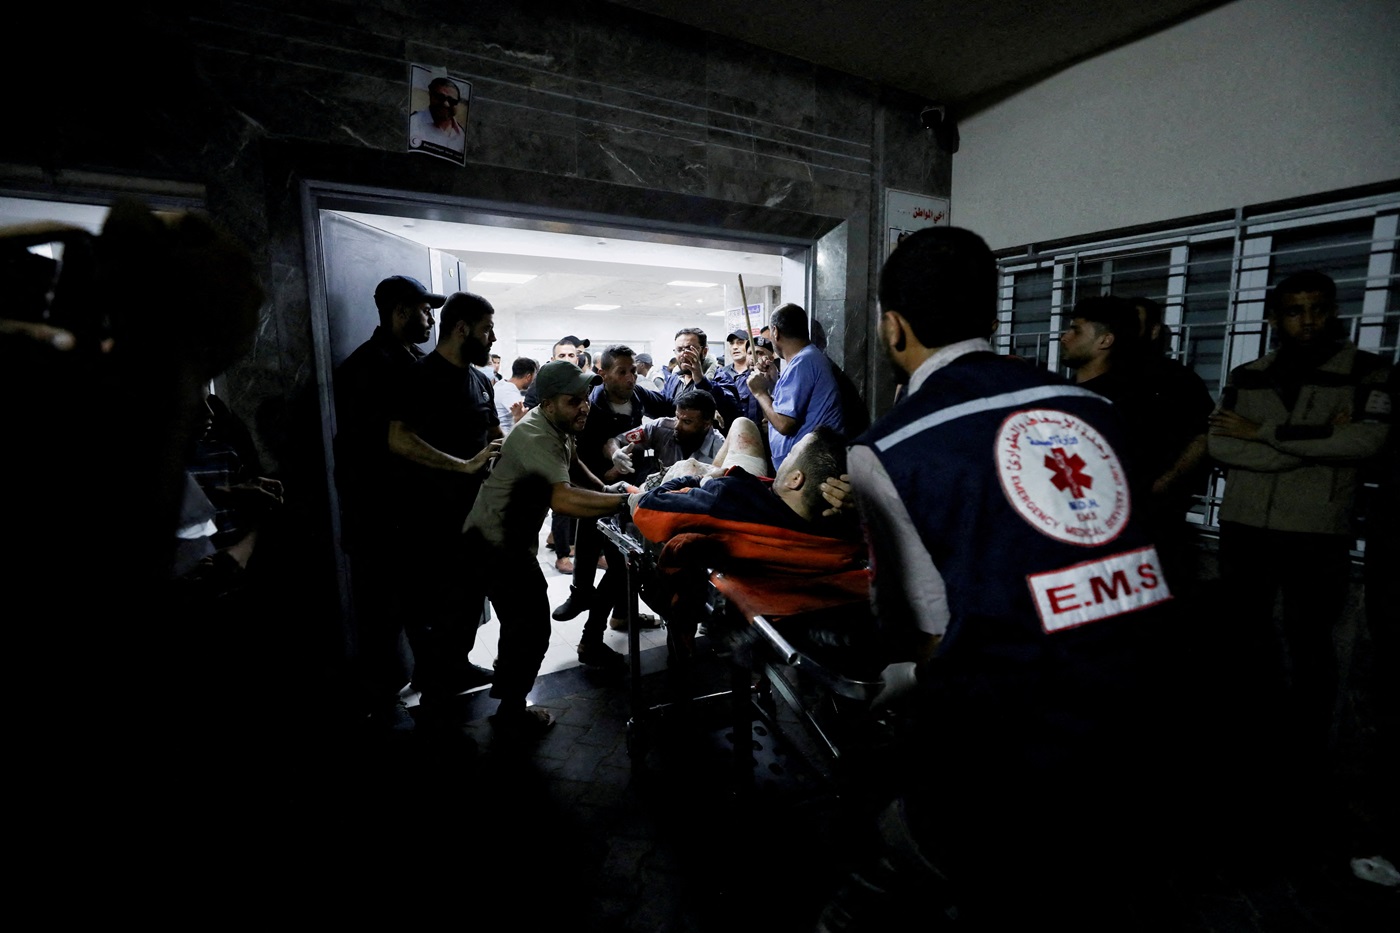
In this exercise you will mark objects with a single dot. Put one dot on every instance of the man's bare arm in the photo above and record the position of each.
(784, 425)
(761, 385)
(1186, 465)
(568, 499)
(406, 443)
(581, 475)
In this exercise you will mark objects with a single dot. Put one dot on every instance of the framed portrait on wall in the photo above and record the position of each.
(437, 114)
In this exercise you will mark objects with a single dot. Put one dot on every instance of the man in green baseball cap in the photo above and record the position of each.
(538, 470)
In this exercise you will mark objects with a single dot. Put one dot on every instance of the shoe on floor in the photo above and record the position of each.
(565, 566)
(529, 723)
(644, 620)
(574, 606)
(601, 656)
(1377, 870)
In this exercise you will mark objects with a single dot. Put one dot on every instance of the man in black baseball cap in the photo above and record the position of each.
(765, 356)
(737, 343)
(364, 385)
(403, 290)
(568, 349)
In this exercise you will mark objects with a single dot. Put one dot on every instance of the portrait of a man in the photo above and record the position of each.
(437, 122)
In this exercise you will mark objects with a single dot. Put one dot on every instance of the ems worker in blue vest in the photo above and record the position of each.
(1012, 570)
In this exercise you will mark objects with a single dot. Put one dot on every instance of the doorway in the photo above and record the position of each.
(610, 280)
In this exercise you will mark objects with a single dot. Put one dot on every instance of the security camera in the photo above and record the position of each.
(933, 117)
(945, 130)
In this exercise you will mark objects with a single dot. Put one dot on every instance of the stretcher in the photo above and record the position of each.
(807, 642)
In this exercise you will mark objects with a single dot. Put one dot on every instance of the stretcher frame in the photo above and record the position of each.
(786, 672)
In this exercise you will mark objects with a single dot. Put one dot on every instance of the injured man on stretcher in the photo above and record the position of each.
(787, 532)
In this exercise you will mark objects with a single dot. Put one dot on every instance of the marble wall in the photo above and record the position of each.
(577, 106)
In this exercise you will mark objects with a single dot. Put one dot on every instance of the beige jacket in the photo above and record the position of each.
(1302, 470)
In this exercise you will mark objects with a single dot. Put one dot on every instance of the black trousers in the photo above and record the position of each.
(383, 658)
(513, 580)
(1290, 664)
(444, 611)
(610, 597)
(588, 547)
(562, 527)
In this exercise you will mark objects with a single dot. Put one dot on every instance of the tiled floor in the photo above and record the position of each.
(563, 640)
(589, 831)
(564, 636)
(648, 830)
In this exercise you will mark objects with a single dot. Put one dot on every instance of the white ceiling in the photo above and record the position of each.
(570, 270)
(573, 270)
(23, 210)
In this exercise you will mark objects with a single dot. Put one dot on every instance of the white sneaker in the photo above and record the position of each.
(1377, 870)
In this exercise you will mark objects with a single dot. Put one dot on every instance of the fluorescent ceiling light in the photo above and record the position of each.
(596, 307)
(682, 283)
(505, 278)
(715, 313)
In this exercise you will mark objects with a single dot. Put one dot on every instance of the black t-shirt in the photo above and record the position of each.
(365, 385)
(1162, 406)
(454, 410)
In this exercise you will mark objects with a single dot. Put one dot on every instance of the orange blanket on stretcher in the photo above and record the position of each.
(752, 530)
(737, 525)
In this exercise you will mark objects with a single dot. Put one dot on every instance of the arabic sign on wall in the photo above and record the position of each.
(734, 319)
(906, 212)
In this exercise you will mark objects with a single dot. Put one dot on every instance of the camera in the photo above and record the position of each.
(945, 131)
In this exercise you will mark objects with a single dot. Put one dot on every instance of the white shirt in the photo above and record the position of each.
(422, 129)
(506, 395)
(908, 577)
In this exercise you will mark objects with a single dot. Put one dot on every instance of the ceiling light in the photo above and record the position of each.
(596, 307)
(715, 313)
(505, 278)
(682, 283)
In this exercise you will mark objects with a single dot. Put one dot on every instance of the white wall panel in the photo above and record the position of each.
(1256, 101)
